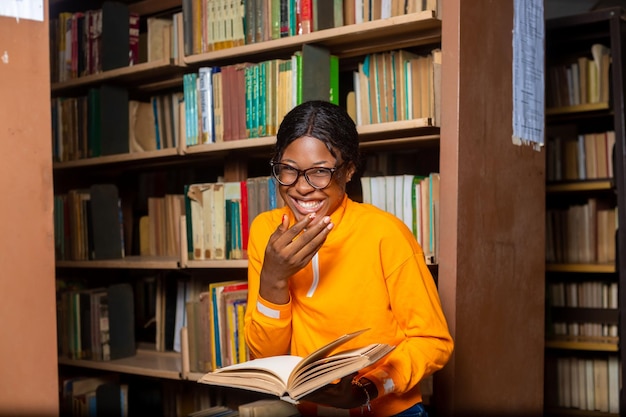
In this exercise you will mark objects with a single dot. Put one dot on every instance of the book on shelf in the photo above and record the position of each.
(121, 319)
(268, 408)
(291, 377)
(159, 37)
(106, 222)
(113, 120)
(318, 73)
(142, 131)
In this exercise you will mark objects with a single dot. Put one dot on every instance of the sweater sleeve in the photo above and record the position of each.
(428, 344)
(267, 326)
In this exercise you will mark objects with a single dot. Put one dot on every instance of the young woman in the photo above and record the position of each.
(324, 265)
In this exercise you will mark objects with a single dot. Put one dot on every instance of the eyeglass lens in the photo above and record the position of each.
(318, 177)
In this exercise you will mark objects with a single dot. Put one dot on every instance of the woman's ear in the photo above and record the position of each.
(350, 172)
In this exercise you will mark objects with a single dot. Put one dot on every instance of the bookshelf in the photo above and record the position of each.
(473, 381)
(582, 255)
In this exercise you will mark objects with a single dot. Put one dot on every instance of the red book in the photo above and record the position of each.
(305, 17)
(244, 218)
(133, 34)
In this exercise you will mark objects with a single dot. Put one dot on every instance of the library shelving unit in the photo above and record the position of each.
(491, 269)
(585, 197)
(229, 160)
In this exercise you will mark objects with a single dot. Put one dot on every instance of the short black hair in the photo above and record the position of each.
(324, 121)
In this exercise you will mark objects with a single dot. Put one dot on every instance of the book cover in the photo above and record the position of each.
(114, 123)
(216, 319)
(115, 38)
(121, 320)
(142, 130)
(106, 222)
(315, 73)
(291, 377)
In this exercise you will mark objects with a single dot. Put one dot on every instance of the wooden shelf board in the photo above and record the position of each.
(193, 376)
(582, 268)
(573, 412)
(404, 132)
(587, 346)
(421, 28)
(142, 73)
(249, 143)
(146, 362)
(587, 185)
(130, 262)
(150, 7)
(583, 108)
(120, 158)
(230, 263)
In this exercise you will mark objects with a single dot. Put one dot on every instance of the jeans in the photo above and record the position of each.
(415, 411)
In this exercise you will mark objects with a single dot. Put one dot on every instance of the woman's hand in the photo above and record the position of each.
(288, 251)
(343, 394)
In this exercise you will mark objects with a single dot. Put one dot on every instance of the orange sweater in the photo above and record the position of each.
(370, 273)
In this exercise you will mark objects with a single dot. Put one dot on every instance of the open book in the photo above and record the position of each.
(292, 377)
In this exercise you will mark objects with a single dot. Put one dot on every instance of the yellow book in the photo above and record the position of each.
(242, 349)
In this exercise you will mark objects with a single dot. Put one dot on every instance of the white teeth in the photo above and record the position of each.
(308, 204)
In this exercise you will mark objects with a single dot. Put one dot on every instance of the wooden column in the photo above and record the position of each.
(28, 353)
(491, 273)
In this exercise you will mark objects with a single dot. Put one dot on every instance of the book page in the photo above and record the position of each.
(327, 349)
(278, 366)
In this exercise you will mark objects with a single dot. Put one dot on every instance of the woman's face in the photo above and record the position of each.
(303, 199)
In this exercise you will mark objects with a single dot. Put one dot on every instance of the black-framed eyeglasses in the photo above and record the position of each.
(317, 177)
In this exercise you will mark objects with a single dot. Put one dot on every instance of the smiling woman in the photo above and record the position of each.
(349, 260)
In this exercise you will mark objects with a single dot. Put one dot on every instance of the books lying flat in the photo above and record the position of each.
(292, 377)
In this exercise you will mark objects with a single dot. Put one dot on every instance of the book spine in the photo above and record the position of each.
(133, 37)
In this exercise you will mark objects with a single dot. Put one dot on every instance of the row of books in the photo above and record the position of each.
(591, 384)
(220, 24)
(398, 85)
(249, 100)
(92, 41)
(90, 396)
(212, 332)
(413, 199)
(242, 101)
(581, 157)
(95, 323)
(586, 294)
(208, 221)
(584, 80)
(98, 124)
(219, 215)
(583, 331)
(88, 224)
(581, 233)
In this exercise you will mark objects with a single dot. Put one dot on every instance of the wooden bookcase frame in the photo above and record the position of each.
(608, 24)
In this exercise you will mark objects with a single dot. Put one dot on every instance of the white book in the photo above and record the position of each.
(366, 190)
(390, 194)
(205, 82)
(377, 186)
(407, 200)
(614, 383)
